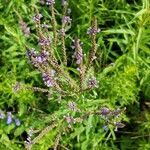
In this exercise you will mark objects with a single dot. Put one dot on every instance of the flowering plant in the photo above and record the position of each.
(70, 88)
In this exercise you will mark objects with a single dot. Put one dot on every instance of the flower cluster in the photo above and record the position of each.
(47, 2)
(45, 41)
(73, 106)
(111, 116)
(106, 112)
(92, 83)
(37, 58)
(66, 19)
(92, 31)
(37, 17)
(71, 120)
(50, 2)
(9, 118)
(62, 32)
(49, 79)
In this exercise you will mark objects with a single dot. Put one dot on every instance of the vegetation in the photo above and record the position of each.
(75, 74)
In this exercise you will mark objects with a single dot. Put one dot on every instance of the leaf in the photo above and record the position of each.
(119, 31)
(19, 131)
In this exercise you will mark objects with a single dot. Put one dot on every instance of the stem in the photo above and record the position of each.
(64, 48)
(54, 25)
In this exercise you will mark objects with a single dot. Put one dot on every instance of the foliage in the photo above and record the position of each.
(122, 69)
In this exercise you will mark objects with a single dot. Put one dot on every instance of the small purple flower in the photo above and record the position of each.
(50, 2)
(62, 32)
(79, 57)
(49, 79)
(92, 83)
(9, 118)
(69, 119)
(31, 53)
(92, 31)
(37, 17)
(17, 122)
(72, 106)
(116, 112)
(104, 111)
(38, 58)
(66, 19)
(45, 41)
(2, 115)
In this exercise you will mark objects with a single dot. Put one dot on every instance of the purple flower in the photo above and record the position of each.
(44, 41)
(2, 115)
(116, 112)
(92, 31)
(31, 53)
(17, 121)
(92, 83)
(62, 32)
(104, 111)
(37, 58)
(50, 2)
(69, 120)
(79, 57)
(72, 106)
(9, 118)
(49, 79)
(66, 19)
(37, 17)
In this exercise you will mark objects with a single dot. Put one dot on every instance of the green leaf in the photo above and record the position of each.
(18, 131)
